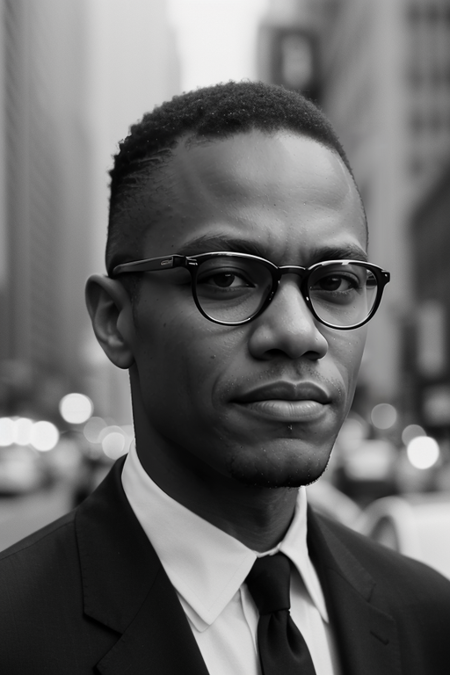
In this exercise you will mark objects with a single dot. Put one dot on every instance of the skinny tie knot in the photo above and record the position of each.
(269, 582)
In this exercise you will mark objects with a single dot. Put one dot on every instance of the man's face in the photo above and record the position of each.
(260, 403)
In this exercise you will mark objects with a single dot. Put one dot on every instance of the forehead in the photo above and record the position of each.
(276, 189)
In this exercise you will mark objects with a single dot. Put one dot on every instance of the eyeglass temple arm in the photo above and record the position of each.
(150, 264)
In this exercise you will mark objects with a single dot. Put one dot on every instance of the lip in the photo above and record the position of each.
(287, 402)
(285, 391)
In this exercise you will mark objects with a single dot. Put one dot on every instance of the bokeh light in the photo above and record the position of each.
(6, 431)
(114, 442)
(423, 452)
(412, 431)
(22, 430)
(383, 416)
(44, 436)
(76, 408)
(93, 429)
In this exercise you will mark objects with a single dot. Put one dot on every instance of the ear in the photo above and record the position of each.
(111, 314)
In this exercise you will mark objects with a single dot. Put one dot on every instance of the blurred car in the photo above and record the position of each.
(21, 470)
(417, 525)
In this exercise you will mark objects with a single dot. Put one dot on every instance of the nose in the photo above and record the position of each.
(287, 327)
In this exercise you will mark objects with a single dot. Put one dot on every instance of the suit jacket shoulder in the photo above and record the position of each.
(87, 594)
(402, 606)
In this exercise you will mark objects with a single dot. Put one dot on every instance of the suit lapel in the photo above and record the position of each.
(126, 589)
(158, 640)
(365, 633)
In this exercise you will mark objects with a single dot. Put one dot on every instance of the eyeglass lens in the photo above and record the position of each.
(233, 289)
(343, 295)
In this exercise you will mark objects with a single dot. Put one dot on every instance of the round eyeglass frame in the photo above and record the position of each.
(193, 264)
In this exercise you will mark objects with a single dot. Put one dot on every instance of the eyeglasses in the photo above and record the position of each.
(234, 288)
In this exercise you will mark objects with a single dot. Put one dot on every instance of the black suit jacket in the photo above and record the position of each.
(87, 594)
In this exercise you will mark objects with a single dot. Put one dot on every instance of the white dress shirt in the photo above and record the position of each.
(208, 569)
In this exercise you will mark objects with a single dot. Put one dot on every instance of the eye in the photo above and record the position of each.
(226, 274)
(225, 280)
(337, 283)
(231, 278)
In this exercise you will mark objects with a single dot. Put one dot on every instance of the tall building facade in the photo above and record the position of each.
(289, 49)
(429, 362)
(74, 76)
(428, 359)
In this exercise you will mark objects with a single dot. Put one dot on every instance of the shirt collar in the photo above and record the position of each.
(206, 565)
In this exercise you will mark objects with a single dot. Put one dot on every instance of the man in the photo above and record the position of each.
(238, 294)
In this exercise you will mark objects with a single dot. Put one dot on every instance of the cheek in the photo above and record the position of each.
(347, 348)
(186, 359)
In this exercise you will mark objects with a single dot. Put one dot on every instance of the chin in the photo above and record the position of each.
(278, 471)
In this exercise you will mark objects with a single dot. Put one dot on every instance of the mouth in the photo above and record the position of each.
(286, 402)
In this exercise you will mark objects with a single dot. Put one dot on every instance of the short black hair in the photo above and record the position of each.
(210, 113)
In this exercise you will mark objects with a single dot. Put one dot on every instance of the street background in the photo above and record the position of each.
(74, 75)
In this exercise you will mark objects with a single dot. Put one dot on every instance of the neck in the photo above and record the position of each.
(257, 517)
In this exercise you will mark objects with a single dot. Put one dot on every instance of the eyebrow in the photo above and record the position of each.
(345, 252)
(221, 242)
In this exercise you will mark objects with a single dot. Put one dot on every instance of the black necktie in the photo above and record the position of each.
(282, 648)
